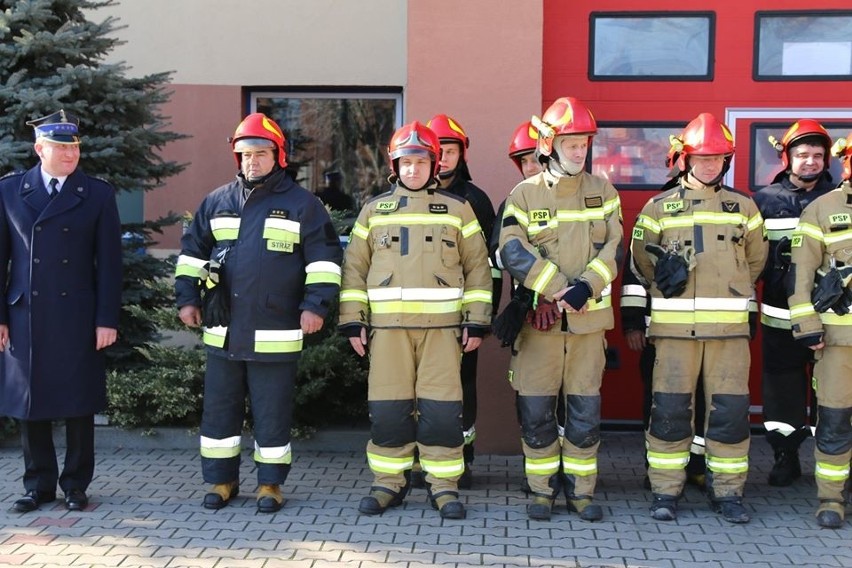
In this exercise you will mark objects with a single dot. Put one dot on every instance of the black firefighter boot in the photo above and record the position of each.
(786, 468)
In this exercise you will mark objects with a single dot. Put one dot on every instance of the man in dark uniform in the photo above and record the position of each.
(804, 153)
(265, 252)
(60, 263)
(454, 177)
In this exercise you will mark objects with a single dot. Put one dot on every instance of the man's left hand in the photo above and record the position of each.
(104, 337)
(470, 343)
(310, 322)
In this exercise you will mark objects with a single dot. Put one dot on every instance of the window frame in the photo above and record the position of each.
(709, 16)
(761, 14)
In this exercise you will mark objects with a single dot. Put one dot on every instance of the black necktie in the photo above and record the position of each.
(53, 190)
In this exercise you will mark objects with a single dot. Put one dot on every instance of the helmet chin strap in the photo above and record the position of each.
(448, 174)
(807, 178)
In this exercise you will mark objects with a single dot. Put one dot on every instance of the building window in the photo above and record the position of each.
(766, 163)
(343, 135)
(633, 156)
(803, 46)
(651, 46)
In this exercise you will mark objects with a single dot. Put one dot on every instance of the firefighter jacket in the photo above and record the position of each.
(725, 230)
(281, 257)
(560, 230)
(780, 205)
(824, 233)
(416, 259)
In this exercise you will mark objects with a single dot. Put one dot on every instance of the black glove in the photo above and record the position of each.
(671, 272)
(842, 306)
(828, 291)
(216, 304)
(507, 325)
(577, 295)
(781, 254)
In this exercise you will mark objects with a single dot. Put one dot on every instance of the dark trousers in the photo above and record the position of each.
(270, 388)
(787, 389)
(468, 381)
(41, 469)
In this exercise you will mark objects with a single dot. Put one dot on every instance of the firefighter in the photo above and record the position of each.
(700, 246)
(560, 238)
(635, 306)
(822, 245)
(417, 292)
(804, 153)
(265, 253)
(522, 153)
(454, 177)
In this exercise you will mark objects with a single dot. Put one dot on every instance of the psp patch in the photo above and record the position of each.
(386, 206)
(797, 241)
(638, 233)
(840, 219)
(673, 206)
(540, 215)
(439, 208)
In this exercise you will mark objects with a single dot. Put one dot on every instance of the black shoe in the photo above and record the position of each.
(540, 508)
(786, 469)
(32, 499)
(76, 500)
(732, 510)
(664, 508)
(585, 509)
(379, 500)
(220, 495)
(829, 519)
(466, 479)
(448, 505)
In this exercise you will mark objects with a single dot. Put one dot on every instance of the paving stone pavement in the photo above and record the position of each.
(145, 511)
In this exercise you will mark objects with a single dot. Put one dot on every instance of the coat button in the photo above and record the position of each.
(36, 261)
(65, 229)
(38, 228)
(64, 261)
(35, 292)
(63, 294)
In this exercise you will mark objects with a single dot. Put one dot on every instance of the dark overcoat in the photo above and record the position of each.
(60, 270)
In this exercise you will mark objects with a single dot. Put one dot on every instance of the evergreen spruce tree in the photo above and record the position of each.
(53, 57)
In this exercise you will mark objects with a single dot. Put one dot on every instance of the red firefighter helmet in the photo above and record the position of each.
(843, 149)
(448, 130)
(415, 138)
(797, 134)
(566, 115)
(259, 126)
(703, 136)
(524, 141)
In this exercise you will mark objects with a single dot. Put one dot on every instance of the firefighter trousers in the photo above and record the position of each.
(834, 430)
(270, 389)
(724, 365)
(787, 391)
(468, 383)
(544, 364)
(415, 401)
